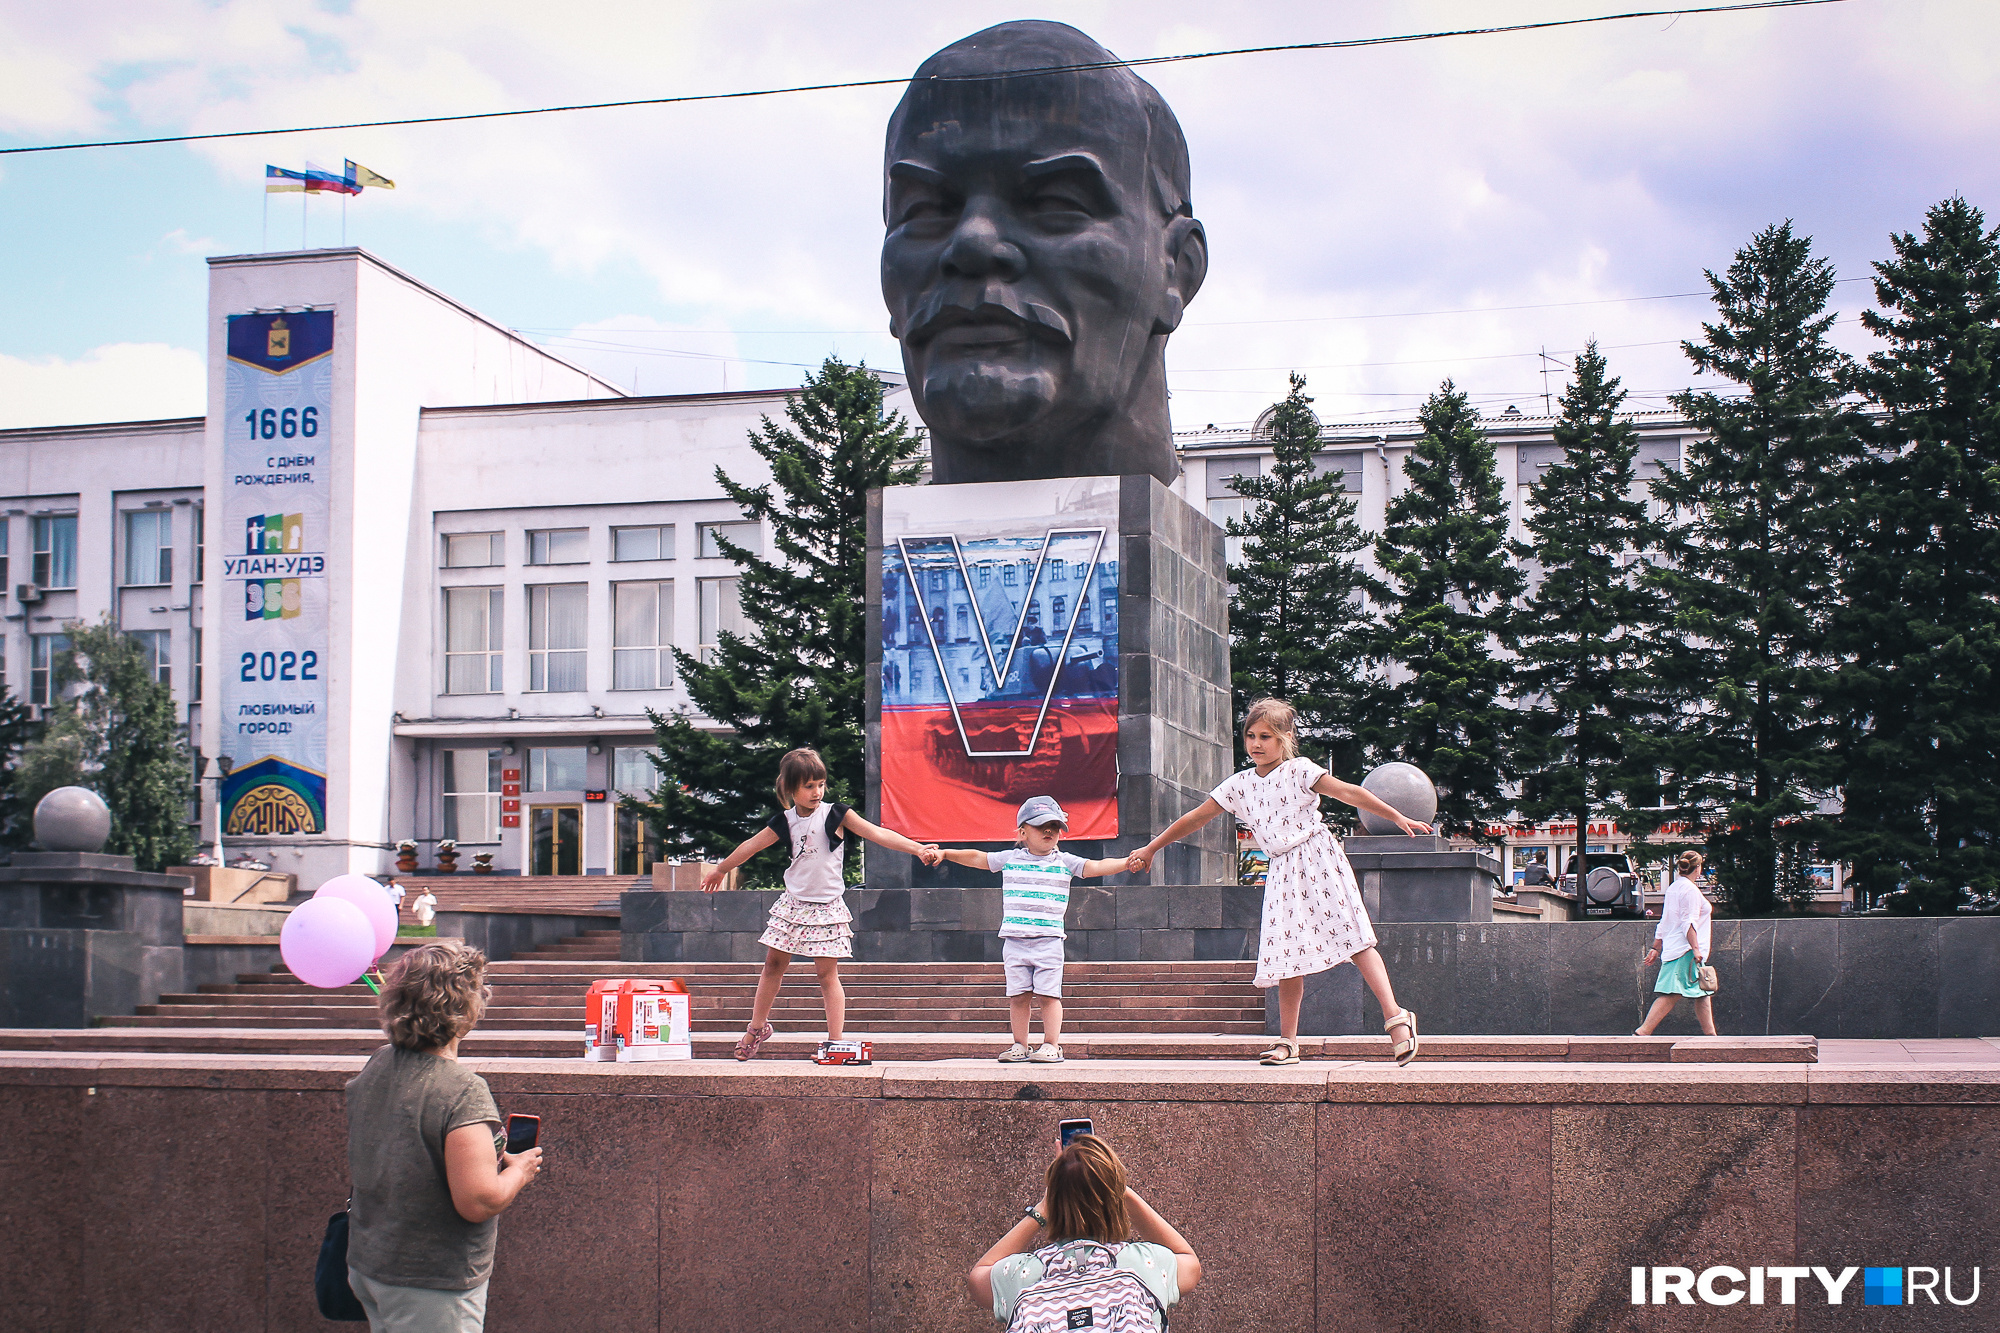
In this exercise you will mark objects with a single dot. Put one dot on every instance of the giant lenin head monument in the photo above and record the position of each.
(1048, 617)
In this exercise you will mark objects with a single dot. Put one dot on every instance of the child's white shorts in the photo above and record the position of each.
(1033, 965)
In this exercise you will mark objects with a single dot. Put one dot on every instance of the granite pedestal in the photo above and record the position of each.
(1423, 879)
(84, 935)
(1171, 662)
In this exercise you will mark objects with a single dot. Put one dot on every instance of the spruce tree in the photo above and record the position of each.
(1920, 624)
(1299, 621)
(1585, 700)
(796, 677)
(117, 734)
(18, 730)
(1451, 584)
(1752, 569)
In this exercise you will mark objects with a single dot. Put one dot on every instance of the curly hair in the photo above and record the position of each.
(1280, 717)
(433, 995)
(1086, 1185)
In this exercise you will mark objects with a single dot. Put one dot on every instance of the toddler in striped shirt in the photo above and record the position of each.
(1034, 883)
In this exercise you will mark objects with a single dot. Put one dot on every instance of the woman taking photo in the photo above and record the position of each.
(1086, 1256)
(1681, 946)
(423, 1148)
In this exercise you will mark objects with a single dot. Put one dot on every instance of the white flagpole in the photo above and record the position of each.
(304, 196)
(267, 217)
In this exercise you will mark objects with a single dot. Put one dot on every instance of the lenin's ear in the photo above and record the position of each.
(1187, 267)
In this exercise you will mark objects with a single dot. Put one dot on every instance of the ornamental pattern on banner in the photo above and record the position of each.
(276, 507)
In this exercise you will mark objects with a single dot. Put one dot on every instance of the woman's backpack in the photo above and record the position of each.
(1082, 1287)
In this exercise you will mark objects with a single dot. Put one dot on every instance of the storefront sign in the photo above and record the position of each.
(276, 505)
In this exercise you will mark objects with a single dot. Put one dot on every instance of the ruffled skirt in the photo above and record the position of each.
(814, 930)
(1313, 915)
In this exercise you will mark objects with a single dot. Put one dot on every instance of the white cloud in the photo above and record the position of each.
(116, 382)
(1582, 165)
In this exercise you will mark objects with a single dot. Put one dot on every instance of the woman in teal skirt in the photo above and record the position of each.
(1681, 945)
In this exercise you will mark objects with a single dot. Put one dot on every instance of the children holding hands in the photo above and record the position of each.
(811, 918)
(1034, 884)
(1313, 915)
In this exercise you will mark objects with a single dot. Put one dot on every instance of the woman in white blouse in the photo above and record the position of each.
(1680, 944)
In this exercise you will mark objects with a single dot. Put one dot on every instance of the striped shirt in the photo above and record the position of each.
(1034, 892)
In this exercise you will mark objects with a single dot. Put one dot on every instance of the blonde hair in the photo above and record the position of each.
(1281, 717)
(795, 770)
(433, 995)
(1086, 1186)
(1688, 863)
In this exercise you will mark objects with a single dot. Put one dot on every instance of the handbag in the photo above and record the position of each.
(335, 1296)
(1704, 977)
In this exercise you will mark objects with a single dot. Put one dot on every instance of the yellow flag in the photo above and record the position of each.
(362, 176)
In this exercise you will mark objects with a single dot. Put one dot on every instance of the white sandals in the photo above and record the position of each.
(1284, 1051)
(1406, 1049)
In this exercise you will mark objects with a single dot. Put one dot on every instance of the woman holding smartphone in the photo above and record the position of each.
(424, 1151)
(1077, 1244)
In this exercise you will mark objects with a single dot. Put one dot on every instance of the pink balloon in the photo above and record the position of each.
(327, 942)
(372, 899)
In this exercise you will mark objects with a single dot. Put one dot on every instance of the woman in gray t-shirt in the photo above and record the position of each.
(423, 1149)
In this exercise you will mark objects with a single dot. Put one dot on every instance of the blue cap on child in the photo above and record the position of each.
(1041, 810)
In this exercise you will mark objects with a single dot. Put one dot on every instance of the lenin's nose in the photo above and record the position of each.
(978, 250)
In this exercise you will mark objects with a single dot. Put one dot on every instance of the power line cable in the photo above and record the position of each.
(1339, 45)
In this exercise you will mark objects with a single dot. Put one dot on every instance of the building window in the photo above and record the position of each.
(55, 551)
(1057, 604)
(985, 573)
(556, 642)
(472, 550)
(559, 546)
(149, 547)
(721, 613)
(196, 696)
(44, 652)
(471, 782)
(642, 630)
(4, 526)
(472, 640)
(558, 769)
(1009, 578)
(748, 536)
(200, 522)
(1058, 571)
(632, 771)
(158, 645)
(648, 543)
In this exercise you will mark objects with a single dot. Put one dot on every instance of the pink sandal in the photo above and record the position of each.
(751, 1042)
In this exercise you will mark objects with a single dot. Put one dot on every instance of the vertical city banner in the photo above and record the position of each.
(999, 656)
(271, 540)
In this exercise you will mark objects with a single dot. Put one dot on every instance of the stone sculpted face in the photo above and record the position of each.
(1036, 259)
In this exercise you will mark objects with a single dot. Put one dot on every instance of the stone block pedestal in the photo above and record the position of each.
(84, 935)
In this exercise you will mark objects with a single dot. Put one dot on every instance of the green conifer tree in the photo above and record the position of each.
(1919, 627)
(795, 676)
(117, 735)
(1752, 573)
(1451, 584)
(1299, 621)
(18, 730)
(1584, 693)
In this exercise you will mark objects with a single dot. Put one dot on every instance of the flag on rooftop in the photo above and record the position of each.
(360, 176)
(281, 180)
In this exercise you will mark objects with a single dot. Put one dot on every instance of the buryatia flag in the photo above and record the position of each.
(359, 176)
(277, 180)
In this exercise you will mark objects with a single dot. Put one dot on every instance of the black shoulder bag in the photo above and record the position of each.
(336, 1298)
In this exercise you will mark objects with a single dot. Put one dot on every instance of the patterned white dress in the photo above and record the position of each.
(1313, 915)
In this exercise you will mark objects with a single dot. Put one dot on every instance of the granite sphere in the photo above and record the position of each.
(1407, 788)
(72, 819)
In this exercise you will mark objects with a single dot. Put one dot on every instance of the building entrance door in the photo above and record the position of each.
(555, 840)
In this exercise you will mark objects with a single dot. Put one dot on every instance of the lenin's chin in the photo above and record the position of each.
(984, 403)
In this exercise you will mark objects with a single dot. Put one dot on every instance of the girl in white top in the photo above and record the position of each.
(1313, 915)
(1680, 945)
(811, 917)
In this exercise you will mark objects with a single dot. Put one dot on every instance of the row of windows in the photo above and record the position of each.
(571, 546)
(45, 653)
(471, 782)
(147, 546)
(642, 634)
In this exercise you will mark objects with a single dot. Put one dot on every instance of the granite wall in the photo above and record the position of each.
(84, 935)
(1320, 1197)
(1884, 977)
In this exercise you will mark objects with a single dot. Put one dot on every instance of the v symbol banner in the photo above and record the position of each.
(991, 611)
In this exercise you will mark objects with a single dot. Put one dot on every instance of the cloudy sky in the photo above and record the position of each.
(1378, 219)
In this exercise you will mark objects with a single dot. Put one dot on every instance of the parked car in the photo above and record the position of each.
(1609, 888)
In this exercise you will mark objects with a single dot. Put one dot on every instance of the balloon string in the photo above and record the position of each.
(370, 979)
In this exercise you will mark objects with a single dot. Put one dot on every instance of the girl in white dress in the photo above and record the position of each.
(1313, 915)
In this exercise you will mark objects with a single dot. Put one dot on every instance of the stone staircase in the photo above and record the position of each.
(543, 991)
